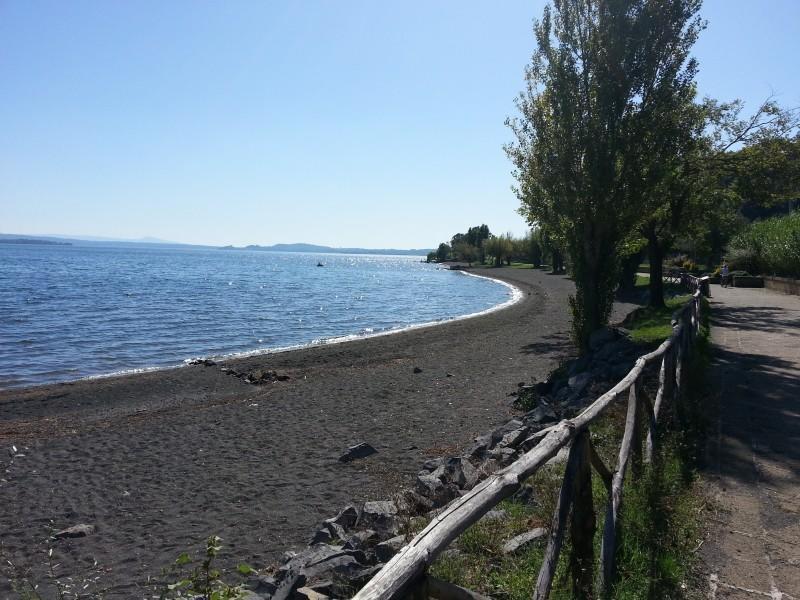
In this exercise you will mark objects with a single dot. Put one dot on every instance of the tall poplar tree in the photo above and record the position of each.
(600, 87)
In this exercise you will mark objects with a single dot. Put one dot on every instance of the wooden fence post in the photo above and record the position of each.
(634, 395)
(583, 524)
(565, 498)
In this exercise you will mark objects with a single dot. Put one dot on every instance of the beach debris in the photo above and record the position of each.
(206, 362)
(307, 592)
(76, 531)
(360, 450)
(417, 370)
(523, 540)
(256, 376)
(260, 376)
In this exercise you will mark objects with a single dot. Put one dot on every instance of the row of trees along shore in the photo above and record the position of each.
(615, 156)
(480, 245)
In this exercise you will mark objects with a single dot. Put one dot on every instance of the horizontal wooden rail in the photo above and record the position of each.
(408, 566)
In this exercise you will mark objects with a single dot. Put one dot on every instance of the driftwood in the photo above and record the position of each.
(402, 572)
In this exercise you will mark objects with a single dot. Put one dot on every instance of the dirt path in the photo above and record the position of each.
(753, 550)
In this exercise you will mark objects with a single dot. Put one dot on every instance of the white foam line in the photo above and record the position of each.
(516, 295)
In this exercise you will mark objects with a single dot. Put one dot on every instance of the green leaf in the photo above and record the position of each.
(244, 569)
(183, 559)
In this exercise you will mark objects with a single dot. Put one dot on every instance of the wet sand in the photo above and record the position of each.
(160, 461)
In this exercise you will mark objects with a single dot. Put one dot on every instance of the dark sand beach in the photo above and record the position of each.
(159, 461)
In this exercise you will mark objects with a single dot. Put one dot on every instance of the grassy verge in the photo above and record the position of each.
(660, 525)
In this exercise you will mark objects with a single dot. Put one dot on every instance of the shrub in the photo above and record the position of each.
(770, 247)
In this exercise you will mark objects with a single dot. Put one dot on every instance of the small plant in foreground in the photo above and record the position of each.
(204, 580)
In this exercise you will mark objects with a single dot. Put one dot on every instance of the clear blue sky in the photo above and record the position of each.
(358, 123)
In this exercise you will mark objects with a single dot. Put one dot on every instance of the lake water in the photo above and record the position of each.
(68, 312)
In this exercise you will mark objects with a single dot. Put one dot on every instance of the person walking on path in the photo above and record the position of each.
(725, 273)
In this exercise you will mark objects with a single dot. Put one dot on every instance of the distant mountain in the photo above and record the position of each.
(24, 240)
(94, 241)
(330, 250)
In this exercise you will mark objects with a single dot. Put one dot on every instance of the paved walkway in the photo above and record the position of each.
(753, 550)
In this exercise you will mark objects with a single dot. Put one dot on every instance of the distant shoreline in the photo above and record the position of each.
(516, 296)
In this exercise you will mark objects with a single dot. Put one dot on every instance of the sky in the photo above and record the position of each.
(346, 123)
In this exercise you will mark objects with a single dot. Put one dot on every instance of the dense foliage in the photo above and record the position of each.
(769, 247)
(600, 120)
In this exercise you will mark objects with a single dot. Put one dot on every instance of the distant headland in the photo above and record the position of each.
(329, 250)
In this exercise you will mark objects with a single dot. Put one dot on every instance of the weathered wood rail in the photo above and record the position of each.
(405, 574)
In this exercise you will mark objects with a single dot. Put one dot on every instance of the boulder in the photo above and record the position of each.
(361, 450)
(380, 516)
(386, 550)
(460, 472)
(514, 438)
(523, 540)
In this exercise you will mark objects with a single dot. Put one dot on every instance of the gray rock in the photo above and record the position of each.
(495, 515)
(76, 531)
(290, 582)
(322, 536)
(577, 383)
(361, 450)
(343, 565)
(330, 531)
(514, 438)
(411, 503)
(386, 550)
(524, 539)
(479, 448)
(361, 539)
(432, 464)
(263, 584)
(541, 414)
(501, 431)
(429, 485)
(347, 517)
(460, 472)
(380, 516)
(504, 456)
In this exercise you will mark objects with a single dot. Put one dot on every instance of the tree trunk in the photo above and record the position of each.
(656, 253)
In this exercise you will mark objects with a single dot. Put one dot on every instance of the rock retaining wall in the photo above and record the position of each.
(784, 285)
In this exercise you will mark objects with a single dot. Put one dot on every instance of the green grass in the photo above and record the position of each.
(648, 325)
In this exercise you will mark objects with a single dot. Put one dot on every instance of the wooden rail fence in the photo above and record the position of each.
(405, 574)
